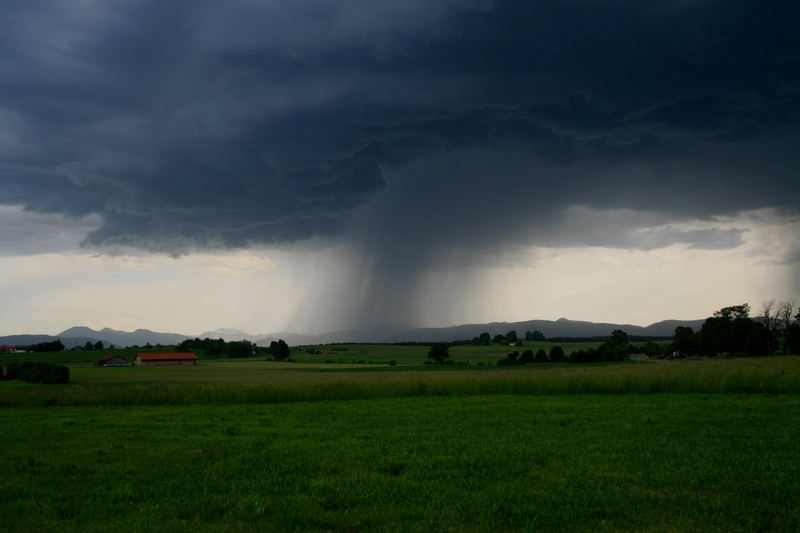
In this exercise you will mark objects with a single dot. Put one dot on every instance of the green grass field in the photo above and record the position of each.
(238, 445)
(659, 462)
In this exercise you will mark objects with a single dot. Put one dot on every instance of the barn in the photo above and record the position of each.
(112, 360)
(11, 349)
(165, 359)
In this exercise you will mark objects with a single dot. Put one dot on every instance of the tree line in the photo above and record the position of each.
(484, 339)
(51, 346)
(89, 346)
(731, 331)
(616, 348)
(527, 357)
(212, 348)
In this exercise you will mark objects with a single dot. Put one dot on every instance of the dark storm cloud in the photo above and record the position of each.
(202, 124)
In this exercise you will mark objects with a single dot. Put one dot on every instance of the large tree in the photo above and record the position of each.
(785, 321)
(439, 352)
(615, 348)
(482, 340)
(685, 341)
(534, 336)
(279, 350)
(734, 312)
(618, 337)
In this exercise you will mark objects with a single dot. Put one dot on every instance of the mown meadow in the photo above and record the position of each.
(693, 445)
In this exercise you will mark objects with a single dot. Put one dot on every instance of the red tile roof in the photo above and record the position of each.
(166, 356)
(107, 357)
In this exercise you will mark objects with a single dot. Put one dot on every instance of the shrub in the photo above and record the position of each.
(511, 359)
(589, 355)
(47, 373)
(58, 374)
(556, 353)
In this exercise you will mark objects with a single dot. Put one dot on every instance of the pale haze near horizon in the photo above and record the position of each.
(312, 290)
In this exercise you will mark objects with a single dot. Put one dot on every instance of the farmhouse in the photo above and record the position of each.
(165, 359)
(112, 360)
(11, 349)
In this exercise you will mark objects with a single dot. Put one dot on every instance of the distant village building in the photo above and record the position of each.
(11, 349)
(112, 360)
(165, 359)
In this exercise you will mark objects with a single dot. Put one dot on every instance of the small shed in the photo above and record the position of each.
(112, 360)
(165, 359)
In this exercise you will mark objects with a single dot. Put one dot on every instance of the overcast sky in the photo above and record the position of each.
(310, 165)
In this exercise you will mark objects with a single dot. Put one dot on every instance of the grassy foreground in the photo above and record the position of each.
(695, 445)
(659, 462)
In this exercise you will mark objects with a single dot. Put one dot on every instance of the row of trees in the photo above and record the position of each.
(52, 346)
(730, 331)
(484, 339)
(556, 355)
(96, 346)
(616, 348)
(279, 350)
(219, 347)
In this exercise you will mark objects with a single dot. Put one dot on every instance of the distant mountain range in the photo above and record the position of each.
(78, 336)
(550, 328)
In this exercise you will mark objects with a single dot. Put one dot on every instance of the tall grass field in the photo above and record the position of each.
(268, 381)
